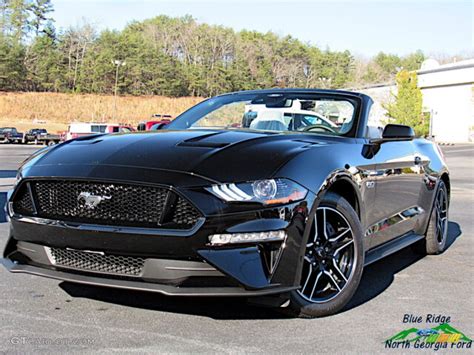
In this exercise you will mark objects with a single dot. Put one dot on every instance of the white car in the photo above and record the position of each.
(294, 118)
(79, 129)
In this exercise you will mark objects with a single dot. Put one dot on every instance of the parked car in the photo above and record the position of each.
(147, 125)
(49, 138)
(299, 110)
(41, 136)
(158, 126)
(292, 120)
(206, 207)
(32, 135)
(119, 128)
(81, 129)
(10, 135)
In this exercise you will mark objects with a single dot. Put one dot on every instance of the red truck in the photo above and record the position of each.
(157, 119)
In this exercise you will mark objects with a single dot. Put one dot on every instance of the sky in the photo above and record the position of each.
(364, 27)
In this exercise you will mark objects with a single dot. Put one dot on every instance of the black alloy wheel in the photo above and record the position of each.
(441, 211)
(330, 257)
(437, 232)
(333, 261)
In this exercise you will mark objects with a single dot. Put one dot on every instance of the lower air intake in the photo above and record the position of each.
(96, 262)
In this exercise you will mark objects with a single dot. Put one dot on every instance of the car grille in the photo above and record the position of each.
(104, 203)
(23, 203)
(96, 262)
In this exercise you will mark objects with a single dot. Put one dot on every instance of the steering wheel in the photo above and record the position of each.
(316, 127)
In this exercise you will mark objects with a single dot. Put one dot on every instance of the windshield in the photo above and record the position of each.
(316, 113)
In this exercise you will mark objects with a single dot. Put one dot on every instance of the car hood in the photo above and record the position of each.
(206, 155)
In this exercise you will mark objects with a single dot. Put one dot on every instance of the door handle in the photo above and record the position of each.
(417, 160)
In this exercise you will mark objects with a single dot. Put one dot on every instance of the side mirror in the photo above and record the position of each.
(398, 132)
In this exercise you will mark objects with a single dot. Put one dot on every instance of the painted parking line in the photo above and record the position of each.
(458, 151)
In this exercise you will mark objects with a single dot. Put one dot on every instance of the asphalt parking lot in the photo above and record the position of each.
(45, 315)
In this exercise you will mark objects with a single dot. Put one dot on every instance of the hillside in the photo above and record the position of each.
(22, 109)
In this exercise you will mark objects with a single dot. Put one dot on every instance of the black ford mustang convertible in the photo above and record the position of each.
(279, 195)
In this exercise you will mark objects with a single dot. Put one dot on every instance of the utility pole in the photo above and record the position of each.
(118, 63)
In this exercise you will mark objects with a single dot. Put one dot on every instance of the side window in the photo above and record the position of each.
(98, 128)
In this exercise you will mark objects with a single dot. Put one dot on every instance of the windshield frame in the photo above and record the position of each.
(188, 118)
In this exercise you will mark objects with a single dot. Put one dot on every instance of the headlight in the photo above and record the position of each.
(268, 192)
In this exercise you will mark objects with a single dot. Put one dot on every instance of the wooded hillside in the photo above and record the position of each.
(169, 56)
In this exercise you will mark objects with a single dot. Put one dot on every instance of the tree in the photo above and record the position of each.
(383, 67)
(407, 107)
(390, 63)
(45, 71)
(413, 61)
(12, 68)
(173, 56)
(18, 13)
(39, 10)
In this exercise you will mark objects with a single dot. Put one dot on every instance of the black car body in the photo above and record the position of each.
(151, 210)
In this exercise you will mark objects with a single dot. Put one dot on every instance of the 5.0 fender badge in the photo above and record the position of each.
(370, 184)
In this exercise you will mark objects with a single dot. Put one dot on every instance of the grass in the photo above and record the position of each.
(25, 110)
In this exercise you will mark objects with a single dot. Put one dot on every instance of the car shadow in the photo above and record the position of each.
(377, 278)
(380, 275)
(212, 307)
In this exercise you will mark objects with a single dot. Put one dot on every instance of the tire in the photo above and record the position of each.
(50, 143)
(331, 271)
(435, 238)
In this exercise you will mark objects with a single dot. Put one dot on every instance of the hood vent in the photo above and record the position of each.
(205, 141)
(199, 144)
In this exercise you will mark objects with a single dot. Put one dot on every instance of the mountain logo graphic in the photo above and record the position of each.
(441, 333)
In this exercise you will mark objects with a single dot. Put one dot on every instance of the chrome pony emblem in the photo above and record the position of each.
(91, 201)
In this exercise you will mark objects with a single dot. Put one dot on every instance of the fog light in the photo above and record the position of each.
(271, 236)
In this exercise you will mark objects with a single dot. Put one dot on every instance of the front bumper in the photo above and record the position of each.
(237, 270)
(169, 290)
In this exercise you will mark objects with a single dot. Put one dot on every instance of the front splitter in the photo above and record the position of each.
(142, 286)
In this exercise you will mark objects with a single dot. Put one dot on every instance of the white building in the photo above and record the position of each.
(448, 94)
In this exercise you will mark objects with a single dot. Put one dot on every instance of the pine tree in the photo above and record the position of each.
(18, 19)
(39, 10)
(12, 68)
(45, 72)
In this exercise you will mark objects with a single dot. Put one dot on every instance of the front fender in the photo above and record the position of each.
(337, 167)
